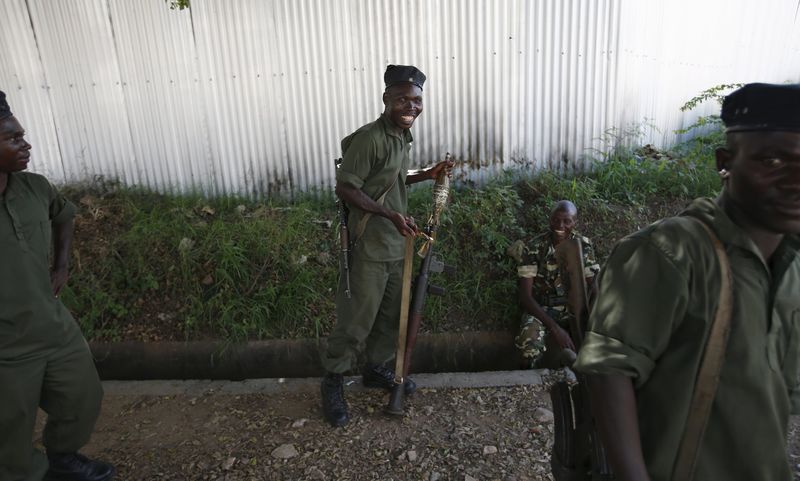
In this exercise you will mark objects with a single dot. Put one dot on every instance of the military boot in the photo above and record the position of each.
(334, 407)
(77, 467)
(380, 376)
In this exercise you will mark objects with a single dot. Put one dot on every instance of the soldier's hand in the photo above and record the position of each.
(561, 337)
(446, 165)
(58, 278)
(405, 225)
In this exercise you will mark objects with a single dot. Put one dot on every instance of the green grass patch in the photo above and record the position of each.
(155, 267)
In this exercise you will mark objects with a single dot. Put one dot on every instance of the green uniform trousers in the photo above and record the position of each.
(368, 321)
(62, 381)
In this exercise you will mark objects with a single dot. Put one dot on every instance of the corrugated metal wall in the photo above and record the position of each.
(253, 96)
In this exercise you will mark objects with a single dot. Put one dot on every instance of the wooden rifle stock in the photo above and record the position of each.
(422, 288)
(578, 454)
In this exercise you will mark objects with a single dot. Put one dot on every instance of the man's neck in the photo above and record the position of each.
(3, 182)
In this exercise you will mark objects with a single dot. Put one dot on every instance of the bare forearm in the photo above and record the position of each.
(420, 175)
(357, 198)
(62, 240)
(616, 418)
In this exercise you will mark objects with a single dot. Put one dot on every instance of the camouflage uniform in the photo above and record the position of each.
(537, 259)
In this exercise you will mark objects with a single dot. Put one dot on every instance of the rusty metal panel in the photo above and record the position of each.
(252, 97)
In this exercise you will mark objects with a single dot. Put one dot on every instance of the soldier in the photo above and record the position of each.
(44, 359)
(544, 328)
(372, 181)
(658, 294)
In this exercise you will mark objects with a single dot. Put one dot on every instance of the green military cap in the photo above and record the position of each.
(400, 74)
(760, 106)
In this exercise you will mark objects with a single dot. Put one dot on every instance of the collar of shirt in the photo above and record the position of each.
(390, 129)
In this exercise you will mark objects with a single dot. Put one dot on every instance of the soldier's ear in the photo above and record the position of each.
(724, 158)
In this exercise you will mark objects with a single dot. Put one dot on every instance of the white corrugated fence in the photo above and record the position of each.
(253, 96)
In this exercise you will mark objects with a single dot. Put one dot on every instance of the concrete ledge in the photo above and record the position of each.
(459, 352)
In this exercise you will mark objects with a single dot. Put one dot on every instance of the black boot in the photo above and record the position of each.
(334, 407)
(77, 467)
(380, 376)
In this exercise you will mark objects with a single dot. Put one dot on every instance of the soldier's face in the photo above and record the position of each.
(561, 224)
(403, 104)
(15, 152)
(764, 181)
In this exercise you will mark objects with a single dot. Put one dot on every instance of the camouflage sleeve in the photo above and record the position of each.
(527, 266)
(590, 265)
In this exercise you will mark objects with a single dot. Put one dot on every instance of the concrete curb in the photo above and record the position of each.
(449, 380)
(450, 352)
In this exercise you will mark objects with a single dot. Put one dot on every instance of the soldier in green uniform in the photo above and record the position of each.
(44, 359)
(372, 181)
(658, 294)
(544, 326)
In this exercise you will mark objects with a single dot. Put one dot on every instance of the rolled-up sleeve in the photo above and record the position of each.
(61, 210)
(642, 295)
(357, 160)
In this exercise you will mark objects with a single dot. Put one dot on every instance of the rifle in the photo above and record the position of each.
(578, 454)
(409, 326)
(344, 237)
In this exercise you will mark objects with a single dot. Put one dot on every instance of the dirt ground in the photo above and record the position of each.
(449, 434)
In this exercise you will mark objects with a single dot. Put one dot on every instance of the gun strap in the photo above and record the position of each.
(362, 224)
(710, 366)
(405, 303)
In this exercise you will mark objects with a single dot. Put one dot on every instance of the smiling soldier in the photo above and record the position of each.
(44, 359)
(372, 181)
(673, 399)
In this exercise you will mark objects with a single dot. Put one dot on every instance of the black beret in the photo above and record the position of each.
(401, 74)
(759, 106)
(5, 110)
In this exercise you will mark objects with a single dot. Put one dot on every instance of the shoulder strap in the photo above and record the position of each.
(710, 366)
(362, 224)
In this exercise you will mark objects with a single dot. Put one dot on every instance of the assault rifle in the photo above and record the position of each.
(344, 237)
(578, 454)
(410, 321)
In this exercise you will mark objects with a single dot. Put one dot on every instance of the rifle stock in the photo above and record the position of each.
(344, 238)
(422, 288)
(578, 454)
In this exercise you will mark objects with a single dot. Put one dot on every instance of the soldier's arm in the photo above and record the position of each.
(62, 240)
(355, 197)
(616, 418)
(430, 173)
(532, 307)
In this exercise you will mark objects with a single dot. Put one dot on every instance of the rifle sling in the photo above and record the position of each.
(362, 224)
(710, 366)
(405, 304)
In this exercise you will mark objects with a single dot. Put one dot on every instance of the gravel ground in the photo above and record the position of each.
(448, 434)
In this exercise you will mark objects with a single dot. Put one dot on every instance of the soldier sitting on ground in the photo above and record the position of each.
(544, 327)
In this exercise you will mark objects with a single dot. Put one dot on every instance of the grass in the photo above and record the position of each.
(148, 266)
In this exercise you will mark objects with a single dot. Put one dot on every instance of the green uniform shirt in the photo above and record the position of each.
(658, 295)
(31, 318)
(374, 157)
